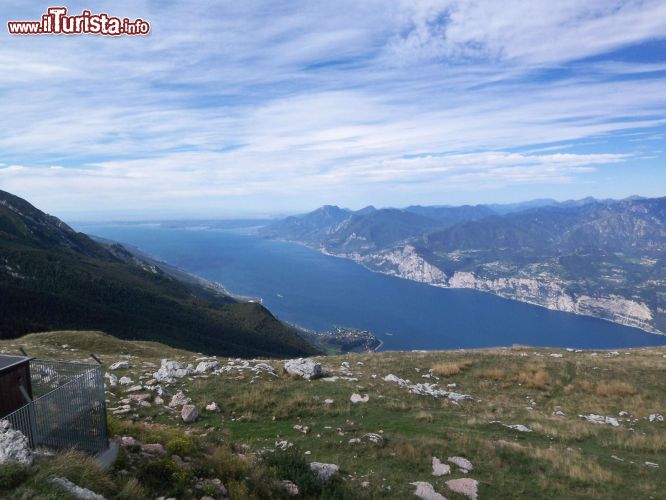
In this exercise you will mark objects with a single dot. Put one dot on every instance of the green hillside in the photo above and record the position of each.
(54, 278)
(383, 445)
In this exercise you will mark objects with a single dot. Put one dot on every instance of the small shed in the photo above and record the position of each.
(14, 374)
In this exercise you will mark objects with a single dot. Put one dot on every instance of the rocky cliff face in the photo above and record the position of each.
(601, 258)
(545, 290)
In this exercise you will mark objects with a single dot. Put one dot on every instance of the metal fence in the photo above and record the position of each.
(68, 409)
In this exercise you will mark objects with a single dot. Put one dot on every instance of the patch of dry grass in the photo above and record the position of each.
(424, 415)
(566, 461)
(447, 369)
(614, 388)
(496, 374)
(534, 376)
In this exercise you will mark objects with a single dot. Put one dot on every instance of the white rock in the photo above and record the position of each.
(600, 419)
(206, 366)
(119, 365)
(290, 488)
(265, 368)
(465, 486)
(440, 469)
(373, 437)
(14, 445)
(171, 370)
(519, 428)
(357, 398)
(652, 464)
(125, 381)
(189, 413)
(179, 399)
(283, 445)
(213, 407)
(304, 367)
(74, 490)
(329, 401)
(656, 417)
(461, 462)
(113, 380)
(426, 491)
(324, 471)
(555, 355)
(394, 378)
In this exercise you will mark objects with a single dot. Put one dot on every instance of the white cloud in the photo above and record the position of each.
(254, 103)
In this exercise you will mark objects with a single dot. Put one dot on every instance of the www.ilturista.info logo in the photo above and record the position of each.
(57, 22)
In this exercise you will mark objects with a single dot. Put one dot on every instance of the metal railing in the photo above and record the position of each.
(68, 409)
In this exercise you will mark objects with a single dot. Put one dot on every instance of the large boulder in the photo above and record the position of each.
(304, 367)
(189, 414)
(324, 472)
(14, 445)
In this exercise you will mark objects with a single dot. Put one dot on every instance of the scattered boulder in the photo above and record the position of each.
(171, 370)
(125, 381)
(155, 448)
(600, 419)
(461, 462)
(14, 445)
(206, 366)
(656, 417)
(128, 441)
(265, 368)
(329, 401)
(440, 469)
(189, 413)
(74, 490)
(323, 471)
(140, 397)
(113, 380)
(213, 407)
(426, 491)
(304, 367)
(394, 378)
(464, 486)
(119, 365)
(375, 438)
(179, 399)
(357, 398)
(519, 428)
(290, 488)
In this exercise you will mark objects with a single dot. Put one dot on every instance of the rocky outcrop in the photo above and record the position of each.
(14, 445)
(405, 263)
(543, 289)
(171, 370)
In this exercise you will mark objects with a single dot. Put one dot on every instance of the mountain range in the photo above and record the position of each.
(52, 277)
(602, 258)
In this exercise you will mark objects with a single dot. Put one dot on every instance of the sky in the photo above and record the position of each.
(255, 108)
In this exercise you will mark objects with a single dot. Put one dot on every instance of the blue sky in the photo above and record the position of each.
(254, 108)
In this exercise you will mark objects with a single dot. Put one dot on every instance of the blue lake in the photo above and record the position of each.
(305, 287)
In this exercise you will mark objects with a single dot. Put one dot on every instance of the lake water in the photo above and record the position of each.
(305, 287)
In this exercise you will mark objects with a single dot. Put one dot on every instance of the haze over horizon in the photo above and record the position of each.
(262, 108)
